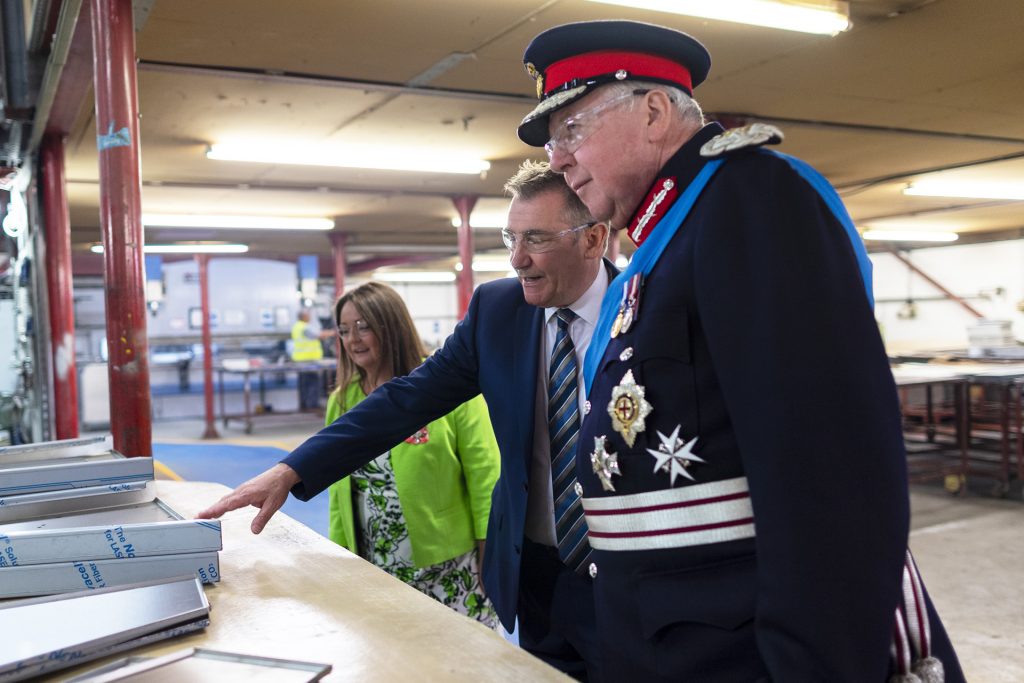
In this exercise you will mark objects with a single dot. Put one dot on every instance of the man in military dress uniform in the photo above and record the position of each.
(741, 462)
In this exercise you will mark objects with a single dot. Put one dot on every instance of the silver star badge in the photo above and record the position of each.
(674, 455)
(605, 464)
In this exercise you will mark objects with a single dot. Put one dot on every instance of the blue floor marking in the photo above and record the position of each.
(231, 465)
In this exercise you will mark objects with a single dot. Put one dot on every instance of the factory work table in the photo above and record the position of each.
(971, 410)
(290, 593)
(926, 426)
(247, 368)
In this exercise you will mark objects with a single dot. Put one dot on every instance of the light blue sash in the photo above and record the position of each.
(835, 204)
(643, 261)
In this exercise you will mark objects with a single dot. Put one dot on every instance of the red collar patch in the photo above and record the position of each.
(654, 206)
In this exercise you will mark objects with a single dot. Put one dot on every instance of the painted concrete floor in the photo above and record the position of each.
(969, 548)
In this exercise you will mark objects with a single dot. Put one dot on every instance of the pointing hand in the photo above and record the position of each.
(267, 491)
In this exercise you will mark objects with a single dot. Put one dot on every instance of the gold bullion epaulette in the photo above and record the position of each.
(746, 137)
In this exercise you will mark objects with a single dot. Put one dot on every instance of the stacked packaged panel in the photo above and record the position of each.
(78, 515)
(69, 465)
(48, 634)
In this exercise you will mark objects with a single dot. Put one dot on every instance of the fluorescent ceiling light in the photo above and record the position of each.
(928, 225)
(484, 220)
(185, 248)
(824, 16)
(488, 265)
(492, 266)
(376, 157)
(909, 236)
(971, 190)
(401, 249)
(194, 220)
(414, 276)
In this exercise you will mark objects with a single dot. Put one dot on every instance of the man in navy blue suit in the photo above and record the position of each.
(742, 465)
(501, 349)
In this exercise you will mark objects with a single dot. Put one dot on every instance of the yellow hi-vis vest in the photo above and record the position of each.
(304, 348)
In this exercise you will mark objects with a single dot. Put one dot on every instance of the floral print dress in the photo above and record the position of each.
(383, 539)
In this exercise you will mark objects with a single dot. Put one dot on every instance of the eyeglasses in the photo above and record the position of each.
(575, 130)
(538, 241)
(360, 329)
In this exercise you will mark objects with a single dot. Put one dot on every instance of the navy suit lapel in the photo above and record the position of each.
(610, 268)
(525, 356)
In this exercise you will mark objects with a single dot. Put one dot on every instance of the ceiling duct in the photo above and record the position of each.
(17, 89)
(17, 95)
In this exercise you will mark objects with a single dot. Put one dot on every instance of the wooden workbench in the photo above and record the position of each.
(291, 593)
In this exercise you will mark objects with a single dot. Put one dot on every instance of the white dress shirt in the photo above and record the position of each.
(540, 509)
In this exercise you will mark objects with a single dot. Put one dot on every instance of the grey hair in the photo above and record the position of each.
(535, 178)
(688, 108)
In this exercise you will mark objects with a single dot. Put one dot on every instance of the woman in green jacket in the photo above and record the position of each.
(419, 511)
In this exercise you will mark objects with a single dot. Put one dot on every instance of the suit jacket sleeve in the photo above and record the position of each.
(807, 385)
(391, 413)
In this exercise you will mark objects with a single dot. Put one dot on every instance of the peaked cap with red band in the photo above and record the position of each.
(571, 60)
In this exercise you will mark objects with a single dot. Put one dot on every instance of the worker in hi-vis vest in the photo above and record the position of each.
(305, 346)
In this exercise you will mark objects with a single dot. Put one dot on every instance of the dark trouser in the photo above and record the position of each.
(309, 390)
(556, 613)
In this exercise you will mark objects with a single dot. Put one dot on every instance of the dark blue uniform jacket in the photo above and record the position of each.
(755, 336)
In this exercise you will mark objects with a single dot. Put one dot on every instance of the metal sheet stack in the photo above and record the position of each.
(77, 514)
(200, 664)
(80, 524)
(56, 632)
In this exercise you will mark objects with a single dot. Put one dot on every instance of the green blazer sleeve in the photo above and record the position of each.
(481, 462)
(340, 520)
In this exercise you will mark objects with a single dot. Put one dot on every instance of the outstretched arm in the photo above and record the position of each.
(388, 415)
(267, 491)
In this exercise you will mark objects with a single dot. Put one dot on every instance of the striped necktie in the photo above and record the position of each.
(564, 428)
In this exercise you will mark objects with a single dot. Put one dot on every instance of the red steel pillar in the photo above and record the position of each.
(204, 302)
(338, 240)
(117, 140)
(57, 233)
(464, 282)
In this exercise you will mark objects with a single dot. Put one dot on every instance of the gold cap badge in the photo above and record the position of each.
(536, 76)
